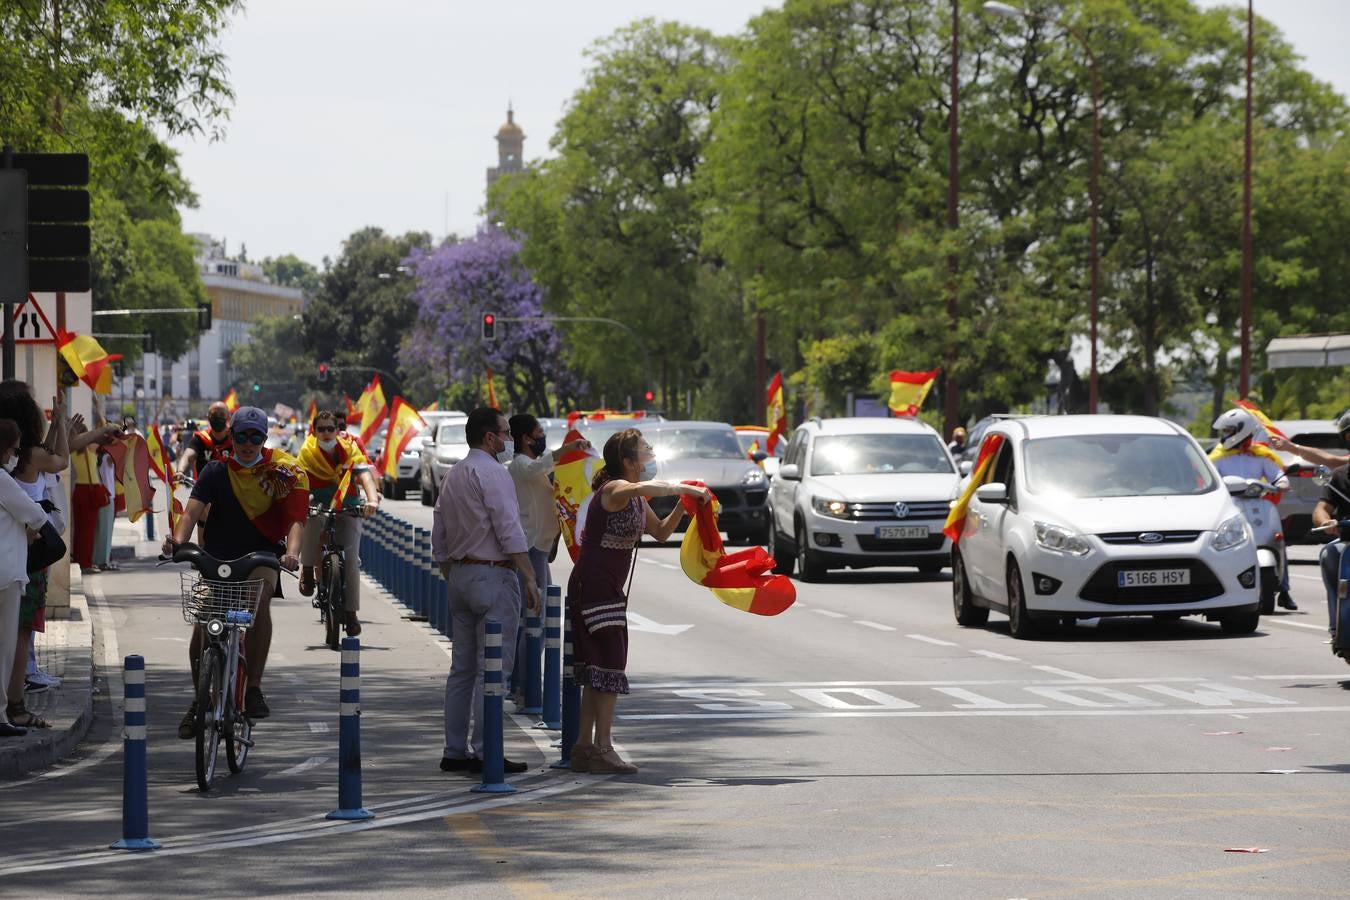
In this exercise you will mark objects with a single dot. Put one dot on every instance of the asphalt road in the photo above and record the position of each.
(859, 744)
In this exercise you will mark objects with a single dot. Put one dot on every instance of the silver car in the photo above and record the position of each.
(439, 452)
(709, 452)
(1297, 504)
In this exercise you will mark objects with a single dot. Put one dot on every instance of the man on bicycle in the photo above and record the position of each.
(209, 444)
(259, 501)
(327, 456)
(1331, 508)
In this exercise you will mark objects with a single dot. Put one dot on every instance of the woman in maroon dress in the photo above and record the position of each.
(597, 591)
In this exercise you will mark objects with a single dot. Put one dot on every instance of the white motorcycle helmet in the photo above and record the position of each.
(1343, 422)
(1235, 427)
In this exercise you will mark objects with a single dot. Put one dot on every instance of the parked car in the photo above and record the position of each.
(1297, 504)
(861, 492)
(756, 437)
(410, 460)
(1088, 516)
(709, 452)
(439, 454)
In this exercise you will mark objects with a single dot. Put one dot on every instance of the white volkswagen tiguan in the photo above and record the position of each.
(1087, 516)
(861, 492)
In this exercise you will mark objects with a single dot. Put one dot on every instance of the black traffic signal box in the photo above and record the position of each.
(55, 223)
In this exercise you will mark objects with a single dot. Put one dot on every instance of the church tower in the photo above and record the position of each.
(510, 149)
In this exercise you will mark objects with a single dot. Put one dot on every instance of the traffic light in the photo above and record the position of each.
(489, 326)
(323, 371)
(148, 344)
(649, 396)
(203, 316)
(257, 387)
(44, 230)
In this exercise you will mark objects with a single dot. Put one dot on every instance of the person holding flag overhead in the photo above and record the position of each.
(336, 464)
(259, 500)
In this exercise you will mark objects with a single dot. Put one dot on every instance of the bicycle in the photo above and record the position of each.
(330, 597)
(220, 599)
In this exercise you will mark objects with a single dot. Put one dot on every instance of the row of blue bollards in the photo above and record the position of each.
(397, 555)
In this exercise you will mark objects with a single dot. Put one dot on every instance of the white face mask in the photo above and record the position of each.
(248, 465)
(12, 464)
(328, 444)
(505, 455)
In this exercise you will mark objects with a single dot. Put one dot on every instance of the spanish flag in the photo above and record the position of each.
(956, 519)
(274, 493)
(404, 425)
(743, 580)
(601, 415)
(231, 401)
(572, 490)
(372, 408)
(159, 464)
(775, 413)
(325, 473)
(313, 411)
(433, 406)
(908, 391)
(131, 467)
(87, 359)
(1261, 417)
(353, 414)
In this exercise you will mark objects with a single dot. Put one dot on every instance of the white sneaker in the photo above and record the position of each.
(44, 679)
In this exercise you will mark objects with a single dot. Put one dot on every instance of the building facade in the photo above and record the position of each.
(510, 149)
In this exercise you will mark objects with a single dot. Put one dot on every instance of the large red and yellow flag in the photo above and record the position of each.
(600, 415)
(404, 425)
(956, 519)
(743, 580)
(909, 390)
(87, 359)
(775, 413)
(1261, 417)
(274, 493)
(131, 469)
(231, 400)
(353, 414)
(159, 464)
(373, 409)
(313, 411)
(572, 491)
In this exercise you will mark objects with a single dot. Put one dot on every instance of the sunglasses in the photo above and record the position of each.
(325, 429)
(250, 437)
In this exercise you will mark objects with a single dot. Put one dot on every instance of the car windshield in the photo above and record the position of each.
(1116, 465)
(451, 433)
(879, 454)
(673, 444)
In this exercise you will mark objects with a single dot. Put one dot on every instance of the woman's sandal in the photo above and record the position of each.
(602, 766)
(21, 717)
(581, 757)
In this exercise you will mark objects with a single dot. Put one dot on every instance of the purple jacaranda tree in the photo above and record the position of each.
(456, 284)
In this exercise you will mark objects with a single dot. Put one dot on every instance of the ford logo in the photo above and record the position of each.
(1150, 537)
(902, 510)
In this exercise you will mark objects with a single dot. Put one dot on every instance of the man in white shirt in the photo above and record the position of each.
(531, 470)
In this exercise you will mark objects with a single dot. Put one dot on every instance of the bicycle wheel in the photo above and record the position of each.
(238, 729)
(333, 603)
(210, 703)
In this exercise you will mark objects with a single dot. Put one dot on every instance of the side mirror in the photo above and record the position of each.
(790, 473)
(1321, 476)
(992, 493)
(1234, 485)
(759, 456)
(965, 467)
(428, 443)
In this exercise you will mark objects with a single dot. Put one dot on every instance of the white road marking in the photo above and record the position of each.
(979, 701)
(1270, 621)
(930, 640)
(955, 713)
(1339, 677)
(318, 727)
(1317, 578)
(958, 682)
(872, 699)
(992, 655)
(312, 762)
(877, 625)
(642, 623)
(1065, 673)
(831, 613)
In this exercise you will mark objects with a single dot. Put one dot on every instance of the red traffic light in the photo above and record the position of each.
(649, 396)
(489, 319)
(323, 371)
(489, 326)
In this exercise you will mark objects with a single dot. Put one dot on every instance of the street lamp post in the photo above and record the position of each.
(951, 408)
(1245, 372)
(1013, 12)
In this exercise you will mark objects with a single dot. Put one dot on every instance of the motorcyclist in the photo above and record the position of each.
(1239, 453)
(1333, 507)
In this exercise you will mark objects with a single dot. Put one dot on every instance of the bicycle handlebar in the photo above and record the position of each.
(222, 569)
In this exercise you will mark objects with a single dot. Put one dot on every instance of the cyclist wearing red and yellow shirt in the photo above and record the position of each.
(336, 461)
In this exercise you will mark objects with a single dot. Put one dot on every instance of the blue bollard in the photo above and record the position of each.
(571, 700)
(135, 777)
(150, 524)
(385, 552)
(534, 657)
(424, 572)
(377, 548)
(553, 659)
(349, 735)
(494, 753)
(410, 597)
(514, 684)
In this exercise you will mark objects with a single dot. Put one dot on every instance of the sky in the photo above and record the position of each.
(351, 113)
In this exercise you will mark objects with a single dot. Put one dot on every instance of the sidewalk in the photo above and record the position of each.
(66, 650)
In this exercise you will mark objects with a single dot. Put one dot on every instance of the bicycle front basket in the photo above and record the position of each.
(205, 599)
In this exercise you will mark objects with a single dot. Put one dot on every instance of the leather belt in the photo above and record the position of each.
(468, 561)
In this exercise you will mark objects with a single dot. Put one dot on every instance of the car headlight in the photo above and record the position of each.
(835, 508)
(1061, 540)
(1232, 532)
(753, 477)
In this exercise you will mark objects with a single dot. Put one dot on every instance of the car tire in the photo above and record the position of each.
(784, 559)
(963, 601)
(808, 566)
(396, 491)
(1020, 624)
(1239, 623)
(428, 499)
(1270, 586)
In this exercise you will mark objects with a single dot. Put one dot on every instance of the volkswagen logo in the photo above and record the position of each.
(1150, 537)
(902, 510)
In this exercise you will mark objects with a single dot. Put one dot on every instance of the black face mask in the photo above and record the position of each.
(539, 446)
(218, 423)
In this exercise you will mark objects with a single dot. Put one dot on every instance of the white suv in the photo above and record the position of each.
(1088, 516)
(861, 492)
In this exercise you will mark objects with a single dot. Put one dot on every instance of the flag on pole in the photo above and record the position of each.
(131, 468)
(743, 580)
(372, 408)
(775, 413)
(908, 391)
(159, 464)
(87, 359)
(313, 411)
(433, 406)
(231, 400)
(1261, 417)
(404, 425)
(572, 490)
(956, 519)
(492, 391)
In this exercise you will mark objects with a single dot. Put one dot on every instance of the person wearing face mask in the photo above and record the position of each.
(211, 443)
(477, 540)
(327, 455)
(597, 592)
(259, 500)
(20, 517)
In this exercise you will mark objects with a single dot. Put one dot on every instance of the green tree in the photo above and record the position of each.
(290, 270)
(269, 357)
